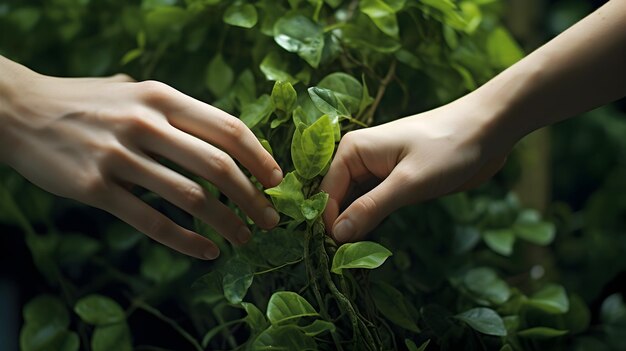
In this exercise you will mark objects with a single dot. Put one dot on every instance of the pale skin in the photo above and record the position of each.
(93, 139)
(462, 144)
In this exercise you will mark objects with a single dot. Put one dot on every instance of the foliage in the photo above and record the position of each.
(299, 74)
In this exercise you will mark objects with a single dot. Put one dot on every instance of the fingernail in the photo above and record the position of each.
(271, 216)
(243, 235)
(277, 176)
(344, 230)
(211, 254)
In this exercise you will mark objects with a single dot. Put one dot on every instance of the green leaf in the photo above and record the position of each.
(541, 333)
(76, 248)
(314, 206)
(45, 325)
(286, 307)
(327, 102)
(500, 240)
(219, 76)
(99, 310)
(284, 96)
(410, 345)
(300, 35)
(275, 68)
(484, 320)
(485, 284)
(254, 113)
(161, 265)
(364, 254)
(346, 88)
(46, 309)
(238, 276)
(502, 49)
(283, 338)
(312, 148)
(245, 88)
(287, 196)
(120, 236)
(281, 246)
(366, 35)
(540, 233)
(208, 288)
(241, 15)
(255, 318)
(383, 16)
(552, 298)
(392, 304)
(112, 337)
(613, 309)
(318, 327)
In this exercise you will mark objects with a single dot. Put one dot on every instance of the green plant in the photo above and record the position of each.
(299, 74)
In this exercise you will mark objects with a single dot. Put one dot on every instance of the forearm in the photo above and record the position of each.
(579, 70)
(14, 78)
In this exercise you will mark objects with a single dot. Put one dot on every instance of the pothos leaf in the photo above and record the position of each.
(364, 254)
(287, 196)
(287, 307)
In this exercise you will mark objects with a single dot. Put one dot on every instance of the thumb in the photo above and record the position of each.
(366, 212)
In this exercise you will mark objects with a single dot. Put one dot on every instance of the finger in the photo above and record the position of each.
(120, 78)
(218, 168)
(366, 212)
(149, 221)
(187, 195)
(216, 126)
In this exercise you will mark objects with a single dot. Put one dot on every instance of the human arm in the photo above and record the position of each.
(91, 139)
(462, 144)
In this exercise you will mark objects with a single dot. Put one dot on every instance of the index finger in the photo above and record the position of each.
(217, 127)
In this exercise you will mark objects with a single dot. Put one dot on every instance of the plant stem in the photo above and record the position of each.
(153, 311)
(369, 116)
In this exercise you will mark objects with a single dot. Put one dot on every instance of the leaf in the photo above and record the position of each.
(120, 236)
(346, 88)
(45, 325)
(284, 96)
(484, 283)
(286, 307)
(275, 68)
(364, 254)
(366, 35)
(392, 304)
(255, 318)
(238, 276)
(613, 309)
(327, 102)
(254, 113)
(500, 240)
(219, 76)
(552, 298)
(300, 35)
(245, 88)
(318, 327)
(162, 265)
(541, 233)
(312, 148)
(99, 310)
(208, 288)
(541, 333)
(287, 196)
(410, 345)
(112, 337)
(314, 206)
(283, 338)
(383, 16)
(484, 320)
(46, 309)
(281, 246)
(502, 49)
(76, 248)
(241, 15)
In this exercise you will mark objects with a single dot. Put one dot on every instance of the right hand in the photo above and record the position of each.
(93, 139)
(410, 160)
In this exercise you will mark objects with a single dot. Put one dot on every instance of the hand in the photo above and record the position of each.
(93, 139)
(416, 158)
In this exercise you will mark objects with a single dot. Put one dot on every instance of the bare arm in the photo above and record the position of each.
(460, 145)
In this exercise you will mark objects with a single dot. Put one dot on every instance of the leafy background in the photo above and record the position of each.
(473, 271)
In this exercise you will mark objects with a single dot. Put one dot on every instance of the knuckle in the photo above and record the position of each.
(136, 122)
(157, 227)
(221, 163)
(122, 77)
(349, 139)
(366, 204)
(234, 128)
(194, 197)
(153, 90)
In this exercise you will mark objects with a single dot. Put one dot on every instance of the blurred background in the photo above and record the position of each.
(575, 172)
